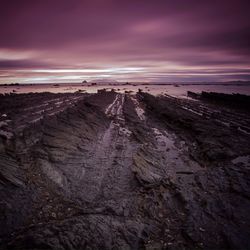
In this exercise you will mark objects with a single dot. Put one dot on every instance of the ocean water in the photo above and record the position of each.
(174, 90)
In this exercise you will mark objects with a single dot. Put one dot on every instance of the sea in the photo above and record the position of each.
(176, 90)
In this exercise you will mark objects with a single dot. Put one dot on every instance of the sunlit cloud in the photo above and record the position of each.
(10, 54)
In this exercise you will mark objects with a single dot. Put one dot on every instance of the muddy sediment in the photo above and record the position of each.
(120, 171)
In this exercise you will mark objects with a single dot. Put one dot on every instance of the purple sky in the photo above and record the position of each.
(73, 40)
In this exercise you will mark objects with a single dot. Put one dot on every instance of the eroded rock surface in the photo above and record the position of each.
(116, 171)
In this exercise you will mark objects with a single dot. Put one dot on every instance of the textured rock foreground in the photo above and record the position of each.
(116, 171)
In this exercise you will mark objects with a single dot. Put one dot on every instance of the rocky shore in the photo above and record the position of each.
(122, 171)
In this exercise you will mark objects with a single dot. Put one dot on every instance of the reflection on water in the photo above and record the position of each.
(174, 90)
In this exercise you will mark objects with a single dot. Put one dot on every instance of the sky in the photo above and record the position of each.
(145, 41)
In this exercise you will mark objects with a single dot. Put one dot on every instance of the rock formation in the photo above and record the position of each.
(116, 171)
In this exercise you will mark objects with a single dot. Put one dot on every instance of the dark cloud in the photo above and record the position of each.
(21, 64)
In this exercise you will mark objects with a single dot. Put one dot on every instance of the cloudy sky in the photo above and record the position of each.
(157, 41)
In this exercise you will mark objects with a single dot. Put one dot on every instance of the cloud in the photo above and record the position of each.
(21, 64)
(96, 34)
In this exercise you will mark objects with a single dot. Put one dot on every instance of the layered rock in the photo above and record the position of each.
(116, 171)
